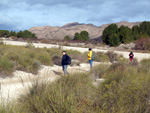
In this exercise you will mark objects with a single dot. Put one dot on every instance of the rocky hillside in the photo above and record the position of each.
(48, 32)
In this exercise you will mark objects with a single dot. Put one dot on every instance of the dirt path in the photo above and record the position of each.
(138, 56)
(12, 87)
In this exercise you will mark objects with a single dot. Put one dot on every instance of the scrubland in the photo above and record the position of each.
(125, 89)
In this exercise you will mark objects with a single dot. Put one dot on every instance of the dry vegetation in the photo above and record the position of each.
(30, 59)
(125, 90)
(143, 44)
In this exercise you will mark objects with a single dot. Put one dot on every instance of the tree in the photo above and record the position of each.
(26, 34)
(84, 35)
(67, 37)
(136, 32)
(125, 34)
(12, 33)
(20, 34)
(109, 32)
(77, 36)
(145, 28)
(114, 40)
(4, 33)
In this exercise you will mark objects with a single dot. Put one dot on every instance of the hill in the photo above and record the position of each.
(58, 33)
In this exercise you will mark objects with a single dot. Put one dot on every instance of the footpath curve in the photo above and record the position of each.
(138, 56)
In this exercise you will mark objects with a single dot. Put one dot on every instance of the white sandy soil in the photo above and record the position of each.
(12, 87)
(138, 56)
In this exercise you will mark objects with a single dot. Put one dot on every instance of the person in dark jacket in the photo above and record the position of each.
(131, 55)
(64, 62)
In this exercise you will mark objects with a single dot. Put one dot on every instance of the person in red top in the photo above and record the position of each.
(131, 55)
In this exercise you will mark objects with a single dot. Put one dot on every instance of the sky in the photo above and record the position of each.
(19, 15)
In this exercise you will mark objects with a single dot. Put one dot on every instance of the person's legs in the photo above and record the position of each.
(65, 69)
(131, 59)
(91, 63)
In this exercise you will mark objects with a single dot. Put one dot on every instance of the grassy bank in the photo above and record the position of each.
(30, 59)
(126, 89)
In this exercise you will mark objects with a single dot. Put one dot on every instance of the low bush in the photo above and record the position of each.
(143, 44)
(99, 71)
(101, 57)
(56, 60)
(124, 93)
(125, 90)
(35, 67)
(75, 63)
(29, 58)
(67, 37)
(67, 95)
(29, 44)
(7, 108)
(76, 55)
(44, 58)
(145, 65)
(6, 66)
(112, 56)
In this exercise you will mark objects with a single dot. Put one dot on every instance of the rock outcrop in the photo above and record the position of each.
(58, 33)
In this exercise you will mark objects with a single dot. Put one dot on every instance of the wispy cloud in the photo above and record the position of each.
(24, 14)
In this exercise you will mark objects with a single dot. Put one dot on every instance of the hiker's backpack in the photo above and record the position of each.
(93, 56)
(69, 60)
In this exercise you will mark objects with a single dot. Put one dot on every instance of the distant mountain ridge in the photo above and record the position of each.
(58, 33)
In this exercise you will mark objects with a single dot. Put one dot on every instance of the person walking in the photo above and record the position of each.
(131, 55)
(66, 60)
(90, 58)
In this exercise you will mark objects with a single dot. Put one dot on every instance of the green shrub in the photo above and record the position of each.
(29, 44)
(112, 56)
(84, 35)
(67, 95)
(25, 58)
(108, 32)
(56, 60)
(125, 93)
(1, 42)
(101, 57)
(114, 40)
(76, 55)
(125, 90)
(35, 67)
(45, 58)
(7, 108)
(99, 71)
(67, 37)
(145, 65)
(6, 66)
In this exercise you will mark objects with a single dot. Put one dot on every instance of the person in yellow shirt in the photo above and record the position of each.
(90, 57)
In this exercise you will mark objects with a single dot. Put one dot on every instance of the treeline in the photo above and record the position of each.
(83, 35)
(20, 34)
(114, 36)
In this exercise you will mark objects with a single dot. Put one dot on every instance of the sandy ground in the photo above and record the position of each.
(138, 56)
(12, 87)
